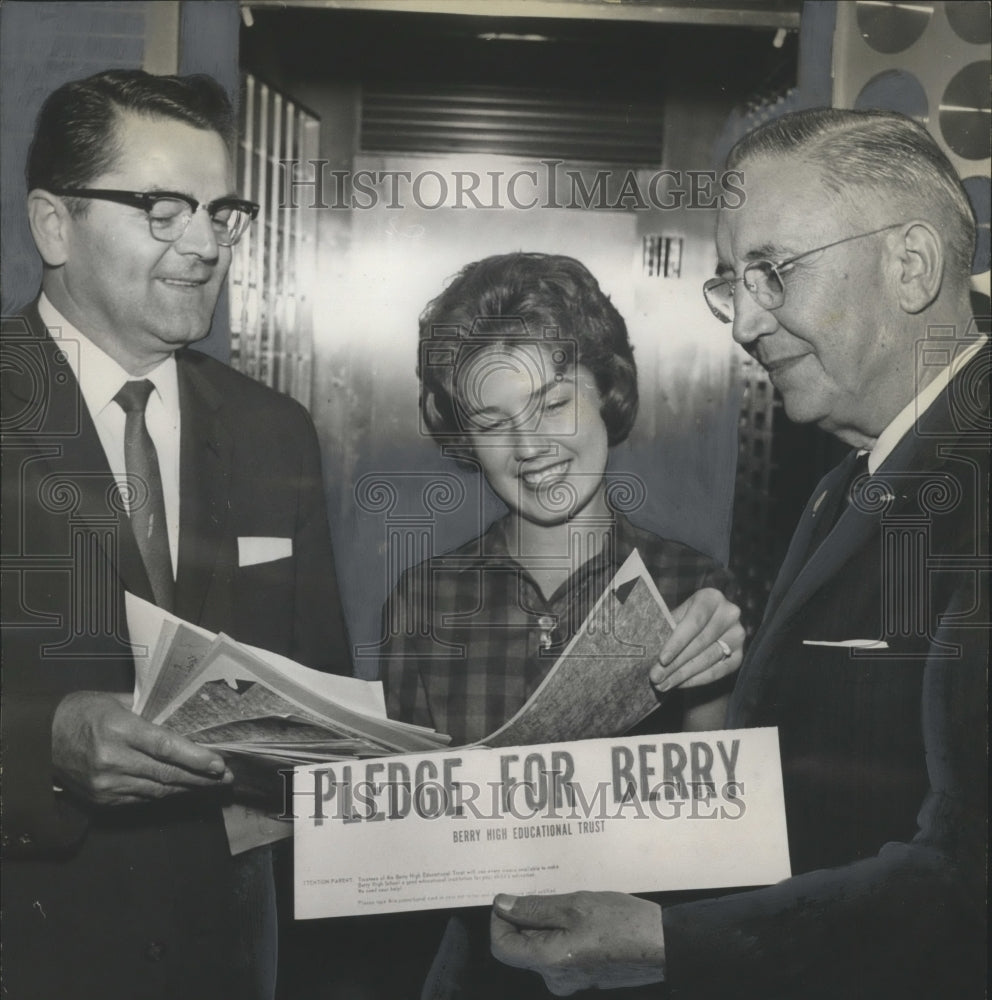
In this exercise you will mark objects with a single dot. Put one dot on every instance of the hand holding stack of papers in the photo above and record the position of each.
(244, 700)
(263, 712)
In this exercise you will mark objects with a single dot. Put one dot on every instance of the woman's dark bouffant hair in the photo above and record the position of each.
(504, 300)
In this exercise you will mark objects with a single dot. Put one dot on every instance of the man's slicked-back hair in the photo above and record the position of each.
(881, 152)
(75, 138)
(511, 299)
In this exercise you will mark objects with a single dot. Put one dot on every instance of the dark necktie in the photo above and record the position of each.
(834, 505)
(147, 511)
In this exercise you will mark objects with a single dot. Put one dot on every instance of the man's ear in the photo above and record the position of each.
(919, 262)
(50, 221)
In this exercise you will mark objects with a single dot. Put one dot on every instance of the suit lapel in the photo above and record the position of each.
(852, 532)
(801, 578)
(77, 472)
(797, 580)
(822, 504)
(893, 489)
(206, 450)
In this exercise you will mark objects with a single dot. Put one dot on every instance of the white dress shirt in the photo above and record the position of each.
(100, 378)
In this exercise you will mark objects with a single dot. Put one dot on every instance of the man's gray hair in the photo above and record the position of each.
(882, 151)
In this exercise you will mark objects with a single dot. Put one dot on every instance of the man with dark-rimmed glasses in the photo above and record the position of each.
(133, 464)
(845, 273)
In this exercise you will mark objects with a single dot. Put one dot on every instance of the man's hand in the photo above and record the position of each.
(110, 756)
(581, 940)
(696, 653)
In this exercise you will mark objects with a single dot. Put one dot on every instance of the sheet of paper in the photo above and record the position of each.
(180, 653)
(599, 685)
(248, 827)
(232, 683)
(144, 621)
(452, 829)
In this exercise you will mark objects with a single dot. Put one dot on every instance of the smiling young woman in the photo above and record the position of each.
(527, 374)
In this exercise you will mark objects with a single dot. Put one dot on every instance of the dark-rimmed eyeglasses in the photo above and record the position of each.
(763, 279)
(170, 212)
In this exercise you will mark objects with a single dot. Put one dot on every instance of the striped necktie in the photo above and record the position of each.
(147, 506)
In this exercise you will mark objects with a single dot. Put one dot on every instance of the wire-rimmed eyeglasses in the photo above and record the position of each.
(170, 212)
(763, 279)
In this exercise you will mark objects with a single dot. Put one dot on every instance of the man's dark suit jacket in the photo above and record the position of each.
(883, 753)
(136, 902)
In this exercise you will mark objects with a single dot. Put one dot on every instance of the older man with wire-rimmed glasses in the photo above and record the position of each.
(845, 273)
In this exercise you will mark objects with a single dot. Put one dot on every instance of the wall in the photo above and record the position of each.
(378, 267)
(43, 45)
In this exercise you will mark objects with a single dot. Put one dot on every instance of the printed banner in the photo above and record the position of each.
(453, 828)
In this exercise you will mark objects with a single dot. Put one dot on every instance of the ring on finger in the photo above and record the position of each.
(725, 651)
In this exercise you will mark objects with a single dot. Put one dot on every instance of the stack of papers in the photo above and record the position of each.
(267, 714)
(263, 712)
(218, 692)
